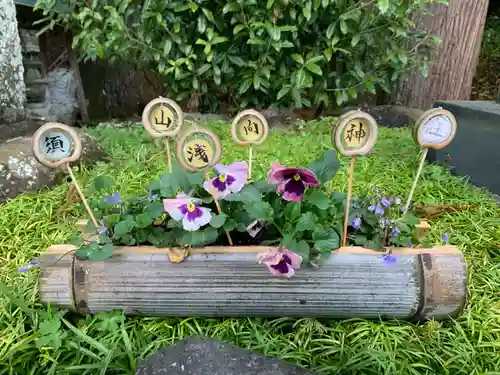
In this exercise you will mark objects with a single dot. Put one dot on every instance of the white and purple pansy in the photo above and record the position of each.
(188, 210)
(292, 182)
(231, 179)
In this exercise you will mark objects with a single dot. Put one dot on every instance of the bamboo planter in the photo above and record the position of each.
(227, 281)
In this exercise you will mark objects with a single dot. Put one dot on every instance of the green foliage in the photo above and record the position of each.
(258, 52)
(309, 227)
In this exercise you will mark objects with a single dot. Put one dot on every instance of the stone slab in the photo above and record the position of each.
(204, 356)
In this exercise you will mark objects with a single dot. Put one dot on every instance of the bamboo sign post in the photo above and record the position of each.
(199, 149)
(163, 117)
(249, 128)
(355, 134)
(57, 145)
(435, 129)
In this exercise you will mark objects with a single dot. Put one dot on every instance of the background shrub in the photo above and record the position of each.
(254, 52)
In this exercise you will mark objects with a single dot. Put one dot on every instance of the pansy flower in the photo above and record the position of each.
(292, 182)
(188, 210)
(281, 262)
(231, 179)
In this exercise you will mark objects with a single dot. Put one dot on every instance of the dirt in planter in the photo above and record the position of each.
(244, 239)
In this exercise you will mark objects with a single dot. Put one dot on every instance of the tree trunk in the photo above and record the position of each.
(453, 64)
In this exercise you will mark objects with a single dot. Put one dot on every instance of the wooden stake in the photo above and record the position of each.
(212, 192)
(350, 176)
(82, 197)
(250, 163)
(419, 172)
(169, 156)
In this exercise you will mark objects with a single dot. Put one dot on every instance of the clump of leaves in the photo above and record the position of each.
(255, 53)
(292, 210)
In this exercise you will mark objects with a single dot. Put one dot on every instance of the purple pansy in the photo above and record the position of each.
(35, 262)
(281, 262)
(377, 208)
(113, 199)
(292, 182)
(231, 179)
(356, 223)
(188, 210)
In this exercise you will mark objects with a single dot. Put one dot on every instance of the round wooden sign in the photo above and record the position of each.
(355, 134)
(435, 129)
(162, 117)
(197, 149)
(56, 144)
(249, 127)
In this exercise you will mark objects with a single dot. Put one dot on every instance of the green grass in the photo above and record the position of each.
(111, 344)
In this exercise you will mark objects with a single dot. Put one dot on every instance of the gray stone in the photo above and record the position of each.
(20, 172)
(12, 89)
(280, 118)
(197, 117)
(203, 356)
(474, 151)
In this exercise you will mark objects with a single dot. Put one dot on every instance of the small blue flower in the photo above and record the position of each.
(405, 210)
(356, 223)
(385, 202)
(388, 258)
(103, 229)
(152, 197)
(395, 232)
(35, 262)
(378, 209)
(396, 200)
(445, 238)
(113, 199)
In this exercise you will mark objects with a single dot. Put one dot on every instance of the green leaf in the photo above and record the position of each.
(104, 253)
(411, 220)
(230, 225)
(355, 40)
(249, 194)
(383, 5)
(199, 238)
(326, 167)
(143, 220)
(259, 210)
(314, 69)
(343, 27)
(284, 90)
(297, 58)
(326, 239)
(360, 239)
(123, 227)
(208, 14)
(238, 28)
(264, 187)
(307, 221)
(318, 198)
(103, 182)
(292, 211)
(218, 220)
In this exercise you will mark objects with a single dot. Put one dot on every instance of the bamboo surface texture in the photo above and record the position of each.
(227, 281)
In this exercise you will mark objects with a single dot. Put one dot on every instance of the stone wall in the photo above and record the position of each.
(12, 89)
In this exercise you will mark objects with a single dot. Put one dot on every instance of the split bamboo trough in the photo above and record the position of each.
(227, 282)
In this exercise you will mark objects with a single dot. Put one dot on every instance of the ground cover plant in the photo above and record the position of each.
(35, 340)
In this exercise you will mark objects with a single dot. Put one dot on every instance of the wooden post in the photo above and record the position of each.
(227, 281)
(73, 63)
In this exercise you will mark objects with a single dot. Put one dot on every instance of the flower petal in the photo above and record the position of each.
(293, 190)
(295, 259)
(172, 207)
(190, 225)
(275, 174)
(271, 257)
(213, 188)
(239, 182)
(205, 217)
(308, 176)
